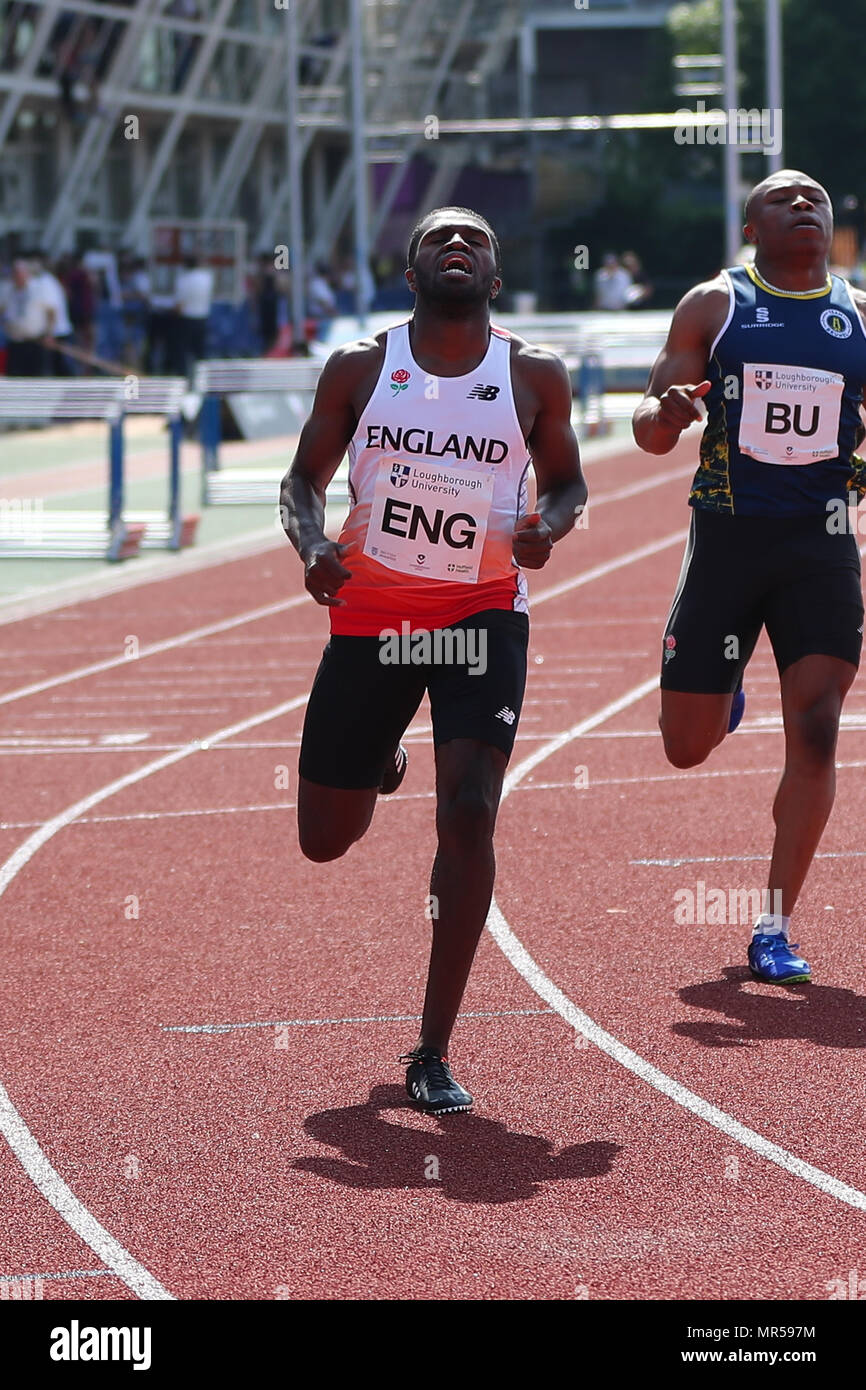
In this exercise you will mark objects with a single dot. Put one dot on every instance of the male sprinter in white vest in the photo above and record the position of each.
(442, 417)
(778, 352)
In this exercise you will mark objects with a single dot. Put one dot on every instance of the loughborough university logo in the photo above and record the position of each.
(400, 474)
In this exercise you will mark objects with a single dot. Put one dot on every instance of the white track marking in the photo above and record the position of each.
(63, 1274)
(194, 635)
(621, 494)
(67, 1205)
(514, 950)
(60, 1196)
(742, 858)
(12, 1126)
(643, 552)
(319, 1022)
(255, 614)
(88, 588)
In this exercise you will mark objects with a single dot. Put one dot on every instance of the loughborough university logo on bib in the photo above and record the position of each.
(790, 414)
(428, 519)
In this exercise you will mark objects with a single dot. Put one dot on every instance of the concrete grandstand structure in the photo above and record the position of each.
(112, 114)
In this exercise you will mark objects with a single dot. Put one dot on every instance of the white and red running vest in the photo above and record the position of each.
(437, 481)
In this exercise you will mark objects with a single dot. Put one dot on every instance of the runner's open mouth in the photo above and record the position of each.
(455, 263)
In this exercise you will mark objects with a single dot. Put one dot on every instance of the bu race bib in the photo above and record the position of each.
(430, 520)
(790, 414)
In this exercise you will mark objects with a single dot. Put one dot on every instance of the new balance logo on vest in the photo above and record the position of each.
(483, 393)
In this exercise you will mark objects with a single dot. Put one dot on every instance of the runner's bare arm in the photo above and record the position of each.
(323, 442)
(560, 484)
(859, 297)
(678, 376)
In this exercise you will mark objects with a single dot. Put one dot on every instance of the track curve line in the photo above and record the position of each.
(12, 1125)
(541, 984)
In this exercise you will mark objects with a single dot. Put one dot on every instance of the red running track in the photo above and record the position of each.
(200, 1087)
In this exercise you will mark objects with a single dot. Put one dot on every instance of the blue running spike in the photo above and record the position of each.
(772, 961)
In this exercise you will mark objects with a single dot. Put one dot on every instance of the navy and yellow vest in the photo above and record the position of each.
(787, 374)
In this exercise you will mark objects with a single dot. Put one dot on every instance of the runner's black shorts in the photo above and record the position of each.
(796, 576)
(362, 701)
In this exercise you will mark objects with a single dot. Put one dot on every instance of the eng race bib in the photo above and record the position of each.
(790, 414)
(430, 520)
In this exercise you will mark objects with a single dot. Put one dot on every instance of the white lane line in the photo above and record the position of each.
(543, 986)
(741, 858)
(12, 1126)
(319, 1022)
(643, 552)
(89, 588)
(255, 614)
(67, 1205)
(621, 494)
(168, 644)
(19, 1137)
(63, 1274)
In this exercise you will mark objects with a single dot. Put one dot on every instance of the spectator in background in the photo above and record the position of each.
(135, 289)
(193, 295)
(641, 290)
(612, 284)
(80, 299)
(25, 321)
(321, 300)
(163, 330)
(58, 325)
(266, 300)
(346, 281)
(102, 266)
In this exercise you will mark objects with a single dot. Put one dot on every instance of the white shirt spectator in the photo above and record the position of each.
(193, 292)
(53, 296)
(106, 261)
(23, 312)
(321, 300)
(612, 284)
(368, 283)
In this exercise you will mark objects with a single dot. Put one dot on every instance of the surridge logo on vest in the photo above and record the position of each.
(415, 440)
(837, 324)
(762, 314)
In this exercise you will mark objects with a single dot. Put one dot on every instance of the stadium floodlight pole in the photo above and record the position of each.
(359, 162)
(297, 266)
(731, 153)
(774, 81)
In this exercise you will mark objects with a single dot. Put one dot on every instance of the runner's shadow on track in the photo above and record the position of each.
(478, 1160)
(820, 1014)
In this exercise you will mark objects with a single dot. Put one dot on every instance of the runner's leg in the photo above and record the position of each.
(475, 718)
(709, 636)
(468, 787)
(813, 690)
(357, 711)
(692, 725)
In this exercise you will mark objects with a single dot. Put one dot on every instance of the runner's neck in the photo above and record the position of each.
(448, 347)
(784, 278)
